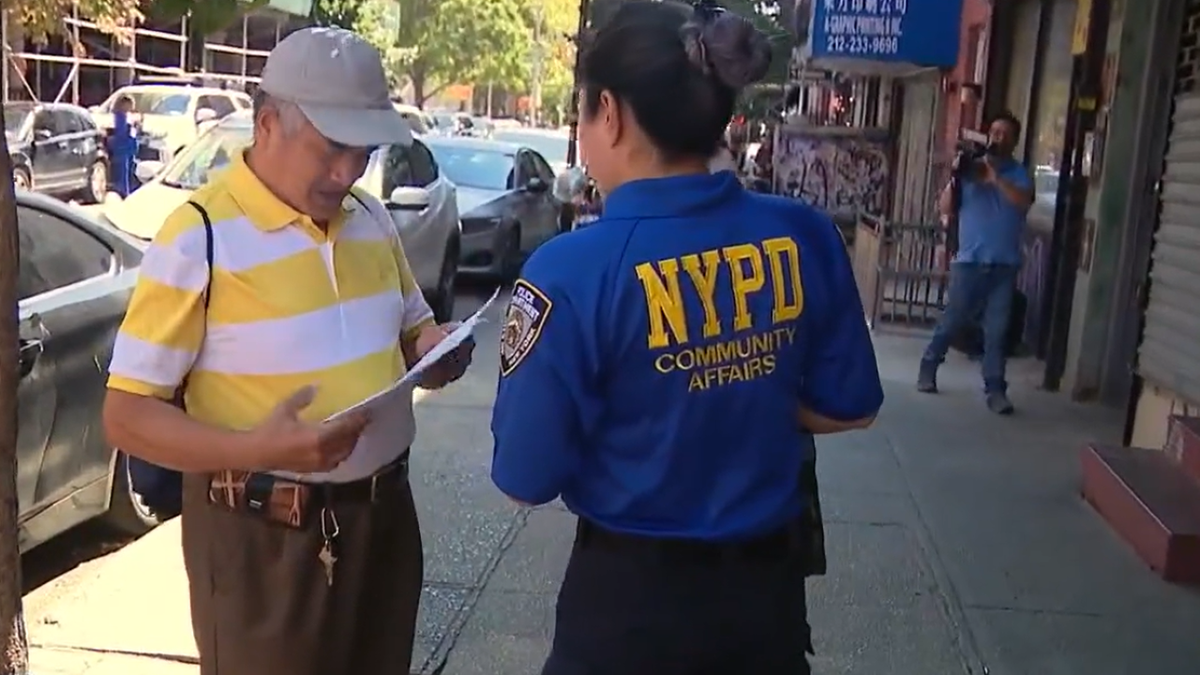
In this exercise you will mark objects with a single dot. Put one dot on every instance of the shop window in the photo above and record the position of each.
(1023, 54)
(1047, 129)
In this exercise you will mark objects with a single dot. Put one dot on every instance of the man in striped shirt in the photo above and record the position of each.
(301, 543)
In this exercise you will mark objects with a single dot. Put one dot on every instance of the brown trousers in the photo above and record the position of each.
(261, 604)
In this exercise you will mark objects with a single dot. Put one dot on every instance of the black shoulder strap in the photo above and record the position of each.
(395, 235)
(208, 257)
(208, 248)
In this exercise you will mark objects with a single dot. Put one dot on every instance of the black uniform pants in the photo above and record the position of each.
(635, 606)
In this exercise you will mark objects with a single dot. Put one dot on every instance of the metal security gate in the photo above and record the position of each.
(1169, 354)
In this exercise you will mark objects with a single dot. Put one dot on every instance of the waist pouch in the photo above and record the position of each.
(292, 503)
(276, 499)
(811, 533)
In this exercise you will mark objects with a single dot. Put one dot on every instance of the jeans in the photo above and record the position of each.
(975, 289)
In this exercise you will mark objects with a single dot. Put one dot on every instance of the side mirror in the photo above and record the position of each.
(205, 115)
(536, 185)
(406, 198)
(147, 170)
(42, 134)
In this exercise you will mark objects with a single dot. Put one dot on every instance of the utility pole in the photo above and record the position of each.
(14, 652)
(585, 6)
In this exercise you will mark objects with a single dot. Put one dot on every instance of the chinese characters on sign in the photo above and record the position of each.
(918, 32)
(863, 28)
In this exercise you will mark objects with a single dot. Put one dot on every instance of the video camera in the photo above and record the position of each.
(972, 149)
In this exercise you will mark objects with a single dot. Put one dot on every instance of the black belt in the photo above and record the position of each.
(364, 490)
(776, 545)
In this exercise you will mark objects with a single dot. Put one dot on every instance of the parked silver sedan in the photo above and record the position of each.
(73, 284)
(505, 201)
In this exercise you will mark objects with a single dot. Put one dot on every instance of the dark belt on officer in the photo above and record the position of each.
(292, 503)
(778, 544)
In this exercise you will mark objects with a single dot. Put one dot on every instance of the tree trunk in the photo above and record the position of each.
(416, 75)
(14, 651)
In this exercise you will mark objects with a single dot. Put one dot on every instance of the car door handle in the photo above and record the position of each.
(31, 350)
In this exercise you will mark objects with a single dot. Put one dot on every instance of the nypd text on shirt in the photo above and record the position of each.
(721, 350)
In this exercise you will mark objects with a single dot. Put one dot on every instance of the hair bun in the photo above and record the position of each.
(732, 49)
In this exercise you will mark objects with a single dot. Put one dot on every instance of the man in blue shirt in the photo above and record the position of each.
(997, 192)
(122, 147)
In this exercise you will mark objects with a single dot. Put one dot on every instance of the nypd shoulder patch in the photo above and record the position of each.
(527, 312)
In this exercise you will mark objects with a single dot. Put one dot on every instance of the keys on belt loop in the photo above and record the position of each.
(329, 532)
(374, 486)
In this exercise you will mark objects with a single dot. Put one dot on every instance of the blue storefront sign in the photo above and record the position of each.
(918, 32)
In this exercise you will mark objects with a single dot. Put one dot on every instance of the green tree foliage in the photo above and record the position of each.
(432, 44)
(552, 24)
(40, 18)
(462, 41)
(376, 20)
(341, 13)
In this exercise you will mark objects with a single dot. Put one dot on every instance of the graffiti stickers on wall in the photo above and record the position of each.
(838, 174)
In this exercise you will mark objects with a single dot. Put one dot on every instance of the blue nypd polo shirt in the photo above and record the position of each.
(652, 364)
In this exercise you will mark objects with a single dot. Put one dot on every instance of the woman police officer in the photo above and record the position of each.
(662, 369)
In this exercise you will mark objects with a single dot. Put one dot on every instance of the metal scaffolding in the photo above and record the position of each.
(172, 54)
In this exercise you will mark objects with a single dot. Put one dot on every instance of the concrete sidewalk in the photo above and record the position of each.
(958, 544)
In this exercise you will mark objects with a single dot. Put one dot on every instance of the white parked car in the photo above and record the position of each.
(422, 203)
(418, 121)
(171, 115)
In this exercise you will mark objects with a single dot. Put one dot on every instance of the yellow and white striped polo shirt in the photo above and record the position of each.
(290, 305)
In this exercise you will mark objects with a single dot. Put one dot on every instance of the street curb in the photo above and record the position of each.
(946, 592)
(435, 663)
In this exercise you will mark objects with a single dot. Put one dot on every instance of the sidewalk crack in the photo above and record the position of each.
(1036, 611)
(157, 656)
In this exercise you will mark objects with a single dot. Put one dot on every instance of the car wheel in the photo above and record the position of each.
(127, 512)
(22, 180)
(97, 183)
(510, 255)
(443, 302)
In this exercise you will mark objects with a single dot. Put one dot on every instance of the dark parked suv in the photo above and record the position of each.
(56, 149)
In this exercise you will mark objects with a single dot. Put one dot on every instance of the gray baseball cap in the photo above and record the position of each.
(337, 80)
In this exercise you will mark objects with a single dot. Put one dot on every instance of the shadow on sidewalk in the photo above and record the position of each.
(67, 551)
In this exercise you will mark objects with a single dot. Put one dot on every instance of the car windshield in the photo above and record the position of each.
(14, 117)
(214, 150)
(173, 104)
(475, 168)
(551, 146)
